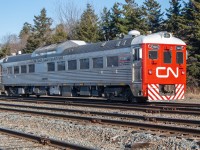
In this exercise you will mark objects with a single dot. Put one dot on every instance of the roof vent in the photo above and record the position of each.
(134, 33)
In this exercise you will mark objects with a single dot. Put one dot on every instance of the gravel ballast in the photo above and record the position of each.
(91, 135)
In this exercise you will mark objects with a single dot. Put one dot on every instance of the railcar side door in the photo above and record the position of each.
(136, 71)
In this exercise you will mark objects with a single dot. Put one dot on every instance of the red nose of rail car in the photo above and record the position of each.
(164, 71)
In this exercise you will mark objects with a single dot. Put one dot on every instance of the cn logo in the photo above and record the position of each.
(168, 70)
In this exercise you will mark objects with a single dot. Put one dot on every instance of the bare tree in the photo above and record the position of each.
(13, 42)
(68, 14)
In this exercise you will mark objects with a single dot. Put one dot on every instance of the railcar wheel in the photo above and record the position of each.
(7, 93)
(133, 99)
(110, 97)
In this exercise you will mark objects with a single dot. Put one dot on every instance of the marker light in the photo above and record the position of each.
(182, 72)
(150, 72)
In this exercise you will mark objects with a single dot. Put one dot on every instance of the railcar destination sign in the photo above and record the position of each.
(41, 60)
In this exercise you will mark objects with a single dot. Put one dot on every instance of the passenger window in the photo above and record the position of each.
(84, 63)
(98, 62)
(153, 54)
(16, 69)
(23, 69)
(31, 68)
(51, 66)
(112, 61)
(179, 57)
(167, 57)
(10, 70)
(61, 65)
(72, 65)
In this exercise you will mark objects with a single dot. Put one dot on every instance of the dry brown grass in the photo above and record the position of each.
(192, 93)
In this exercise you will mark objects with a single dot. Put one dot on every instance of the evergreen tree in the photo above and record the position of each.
(192, 38)
(174, 22)
(24, 34)
(88, 29)
(153, 15)
(118, 22)
(134, 17)
(42, 26)
(41, 32)
(106, 24)
(60, 34)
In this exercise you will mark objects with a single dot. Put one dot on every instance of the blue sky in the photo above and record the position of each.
(14, 13)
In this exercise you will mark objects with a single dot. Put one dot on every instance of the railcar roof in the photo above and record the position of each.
(16, 58)
(158, 38)
(73, 48)
(94, 47)
(101, 46)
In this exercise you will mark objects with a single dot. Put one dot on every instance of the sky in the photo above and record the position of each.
(14, 13)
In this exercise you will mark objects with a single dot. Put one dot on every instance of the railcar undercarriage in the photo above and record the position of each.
(111, 93)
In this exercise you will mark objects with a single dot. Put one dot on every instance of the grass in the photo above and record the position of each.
(192, 93)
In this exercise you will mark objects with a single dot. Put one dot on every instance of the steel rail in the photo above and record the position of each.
(164, 106)
(171, 129)
(95, 101)
(144, 108)
(147, 118)
(43, 140)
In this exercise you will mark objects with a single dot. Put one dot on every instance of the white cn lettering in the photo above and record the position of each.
(168, 69)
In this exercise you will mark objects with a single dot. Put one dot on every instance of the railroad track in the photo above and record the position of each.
(131, 107)
(11, 139)
(103, 101)
(152, 127)
(128, 117)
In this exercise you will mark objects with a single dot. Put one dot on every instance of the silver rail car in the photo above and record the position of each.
(75, 68)
(135, 68)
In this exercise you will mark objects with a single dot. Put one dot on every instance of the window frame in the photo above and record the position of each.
(59, 67)
(22, 72)
(164, 52)
(16, 67)
(51, 68)
(177, 60)
(9, 70)
(33, 68)
(95, 66)
(69, 64)
(108, 61)
(84, 66)
(153, 51)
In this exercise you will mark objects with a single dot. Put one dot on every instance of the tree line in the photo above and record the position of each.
(182, 18)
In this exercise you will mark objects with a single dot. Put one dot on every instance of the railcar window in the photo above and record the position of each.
(23, 69)
(61, 65)
(98, 62)
(31, 68)
(72, 65)
(84, 63)
(153, 54)
(136, 54)
(112, 61)
(167, 57)
(16, 69)
(51, 66)
(179, 57)
(179, 47)
(10, 70)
